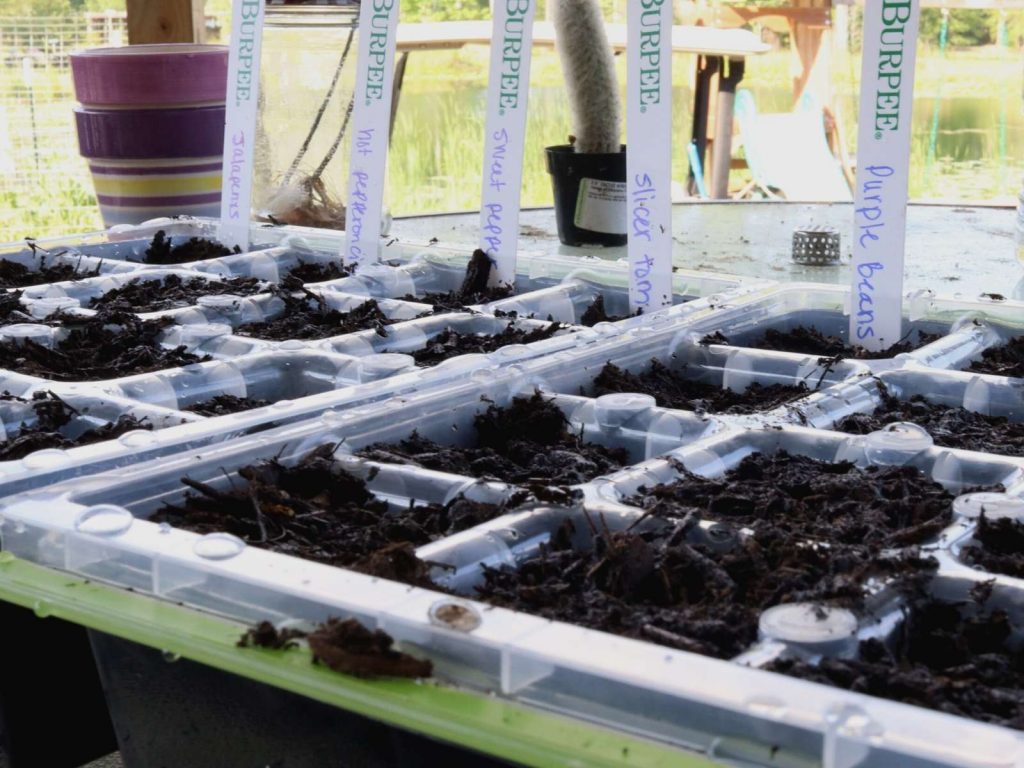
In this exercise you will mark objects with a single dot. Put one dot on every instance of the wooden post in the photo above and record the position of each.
(811, 48)
(166, 21)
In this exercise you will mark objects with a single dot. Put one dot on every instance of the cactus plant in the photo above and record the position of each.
(589, 69)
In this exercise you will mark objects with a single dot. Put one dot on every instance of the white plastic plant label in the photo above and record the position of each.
(371, 122)
(505, 134)
(883, 166)
(240, 121)
(601, 206)
(649, 154)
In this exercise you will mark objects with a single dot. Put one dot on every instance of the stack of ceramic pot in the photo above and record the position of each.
(151, 126)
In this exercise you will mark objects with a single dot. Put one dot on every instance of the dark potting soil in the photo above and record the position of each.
(950, 427)
(15, 275)
(1005, 360)
(955, 658)
(312, 272)
(161, 251)
(668, 585)
(318, 511)
(172, 292)
(222, 405)
(998, 547)
(110, 344)
(528, 443)
(309, 317)
(808, 340)
(595, 313)
(53, 413)
(12, 310)
(344, 646)
(672, 389)
(474, 288)
(450, 342)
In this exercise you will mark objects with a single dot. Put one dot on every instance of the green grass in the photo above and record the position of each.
(436, 156)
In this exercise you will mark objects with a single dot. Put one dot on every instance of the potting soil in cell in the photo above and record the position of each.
(162, 251)
(529, 444)
(173, 292)
(474, 288)
(1005, 360)
(52, 414)
(450, 342)
(997, 547)
(311, 272)
(954, 657)
(108, 345)
(808, 340)
(222, 405)
(308, 316)
(667, 584)
(950, 427)
(15, 275)
(672, 389)
(318, 511)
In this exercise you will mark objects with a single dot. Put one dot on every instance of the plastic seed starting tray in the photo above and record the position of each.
(296, 377)
(731, 708)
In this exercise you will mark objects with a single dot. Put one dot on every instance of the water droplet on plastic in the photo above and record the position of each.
(104, 520)
(218, 546)
(766, 706)
(995, 505)
(165, 528)
(41, 608)
(454, 615)
(170, 656)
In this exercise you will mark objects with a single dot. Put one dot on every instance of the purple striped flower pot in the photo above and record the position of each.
(154, 76)
(153, 162)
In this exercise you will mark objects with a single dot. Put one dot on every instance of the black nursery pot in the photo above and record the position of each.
(590, 195)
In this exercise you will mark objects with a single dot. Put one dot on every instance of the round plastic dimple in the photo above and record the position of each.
(995, 505)
(292, 345)
(137, 438)
(48, 458)
(227, 301)
(195, 334)
(104, 520)
(615, 410)
(218, 546)
(453, 614)
(896, 443)
(809, 624)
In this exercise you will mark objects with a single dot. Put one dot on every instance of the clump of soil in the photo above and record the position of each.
(161, 250)
(950, 427)
(474, 288)
(808, 340)
(15, 275)
(671, 389)
(528, 443)
(110, 344)
(221, 405)
(595, 314)
(450, 342)
(12, 310)
(998, 547)
(667, 584)
(955, 658)
(173, 292)
(313, 272)
(308, 316)
(344, 646)
(1005, 360)
(53, 413)
(318, 511)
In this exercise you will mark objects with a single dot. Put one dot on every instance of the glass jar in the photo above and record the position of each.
(307, 77)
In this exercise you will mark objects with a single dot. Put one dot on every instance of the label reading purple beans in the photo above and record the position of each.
(883, 167)
(240, 121)
(649, 154)
(507, 90)
(371, 118)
